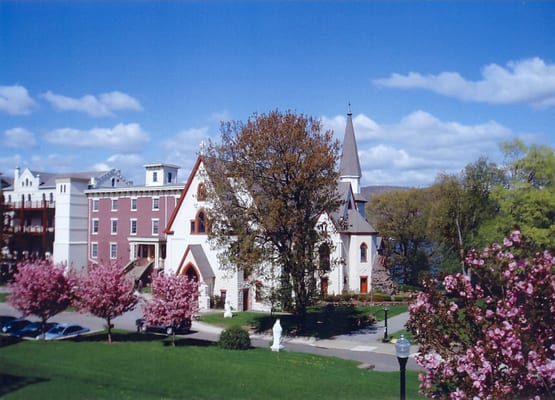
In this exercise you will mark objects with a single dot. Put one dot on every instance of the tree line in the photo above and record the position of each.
(433, 228)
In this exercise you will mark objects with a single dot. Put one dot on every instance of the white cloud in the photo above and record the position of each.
(126, 138)
(120, 101)
(221, 116)
(183, 148)
(19, 138)
(131, 166)
(15, 100)
(530, 81)
(101, 106)
(413, 151)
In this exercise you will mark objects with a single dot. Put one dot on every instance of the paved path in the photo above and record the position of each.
(364, 346)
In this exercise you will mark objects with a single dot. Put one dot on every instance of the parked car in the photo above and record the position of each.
(33, 329)
(62, 331)
(4, 319)
(143, 327)
(14, 325)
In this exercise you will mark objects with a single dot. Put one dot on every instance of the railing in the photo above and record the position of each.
(32, 204)
(32, 229)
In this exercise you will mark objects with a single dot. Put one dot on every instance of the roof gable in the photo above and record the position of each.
(169, 227)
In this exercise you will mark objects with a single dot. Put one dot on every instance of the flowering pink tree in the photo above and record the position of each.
(174, 301)
(105, 292)
(490, 335)
(41, 288)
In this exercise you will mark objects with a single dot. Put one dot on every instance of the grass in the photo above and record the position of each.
(379, 314)
(145, 367)
(245, 319)
(321, 322)
(3, 297)
(408, 335)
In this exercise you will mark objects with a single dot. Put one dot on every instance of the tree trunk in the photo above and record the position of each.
(43, 327)
(108, 320)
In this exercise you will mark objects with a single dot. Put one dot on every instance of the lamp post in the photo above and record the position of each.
(385, 339)
(402, 349)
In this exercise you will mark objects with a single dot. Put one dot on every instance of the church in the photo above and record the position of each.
(356, 242)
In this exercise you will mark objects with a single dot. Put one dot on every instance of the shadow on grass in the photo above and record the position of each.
(320, 322)
(10, 383)
(123, 336)
(181, 341)
(6, 340)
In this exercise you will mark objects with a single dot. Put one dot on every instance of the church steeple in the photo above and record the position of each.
(349, 165)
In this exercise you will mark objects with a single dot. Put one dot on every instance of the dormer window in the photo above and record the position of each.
(155, 176)
(170, 177)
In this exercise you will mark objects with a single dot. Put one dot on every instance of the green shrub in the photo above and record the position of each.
(235, 338)
(379, 297)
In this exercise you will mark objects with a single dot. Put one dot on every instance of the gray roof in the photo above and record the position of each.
(356, 223)
(349, 164)
(202, 261)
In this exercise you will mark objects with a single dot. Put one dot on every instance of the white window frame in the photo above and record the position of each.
(155, 203)
(133, 223)
(95, 223)
(114, 204)
(113, 250)
(113, 224)
(133, 204)
(94, 250)
(95, 205)
(155, 223)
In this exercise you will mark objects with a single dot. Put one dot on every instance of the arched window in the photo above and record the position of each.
(191, 272)
(199, 224)
(324, 256)
(201, 192)
(363, 253)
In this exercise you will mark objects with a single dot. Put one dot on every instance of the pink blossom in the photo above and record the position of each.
(41, 288)
(515, 236)
(174, 300)
(106, 293)
(490, 352)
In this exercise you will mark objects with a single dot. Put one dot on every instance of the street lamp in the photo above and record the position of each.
(385, 340)
(402, 349)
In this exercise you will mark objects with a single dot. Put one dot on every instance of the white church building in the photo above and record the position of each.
(356, 242)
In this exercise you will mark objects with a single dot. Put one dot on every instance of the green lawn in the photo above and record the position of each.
(146, 367)
(3, 297)
(322, 321)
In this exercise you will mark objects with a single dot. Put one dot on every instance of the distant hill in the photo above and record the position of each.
(370, 191)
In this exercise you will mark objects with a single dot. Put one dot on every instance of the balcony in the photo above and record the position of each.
(25, 205)
(32, 229)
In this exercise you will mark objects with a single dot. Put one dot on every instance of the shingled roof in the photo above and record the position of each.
(349, 165)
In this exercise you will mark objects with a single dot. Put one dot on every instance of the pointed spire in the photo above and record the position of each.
(349, 166)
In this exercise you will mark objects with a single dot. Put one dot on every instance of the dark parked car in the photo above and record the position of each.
(143, 327)
(33, 329)
(14, 325)
(64, 330)
(4, 319)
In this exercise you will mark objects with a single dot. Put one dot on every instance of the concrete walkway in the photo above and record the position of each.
(363, 346)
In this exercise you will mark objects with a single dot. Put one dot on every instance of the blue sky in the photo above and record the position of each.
(432, 85)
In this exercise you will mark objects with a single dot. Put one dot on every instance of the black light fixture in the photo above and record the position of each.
(385, 339)
(402, 350)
